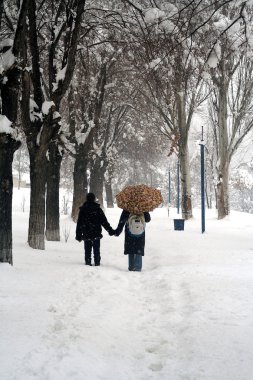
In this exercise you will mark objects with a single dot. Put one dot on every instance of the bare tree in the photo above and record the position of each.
(41, 118)
(82, 127)
(169, 78)
(11, 53)
(170, 43)
(230, 114)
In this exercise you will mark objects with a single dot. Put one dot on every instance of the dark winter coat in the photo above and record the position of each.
(90, 219)
(133, 245)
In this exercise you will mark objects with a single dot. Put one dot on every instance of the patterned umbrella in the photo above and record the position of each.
(139, 198)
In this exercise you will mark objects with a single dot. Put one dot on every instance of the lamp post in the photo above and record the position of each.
(169, 195)
(169, 192)
(202, 171)
(178, 187)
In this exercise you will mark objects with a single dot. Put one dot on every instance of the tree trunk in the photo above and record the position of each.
(97, 180)
(36, 232)
(53, 187)
(208, 198)
(19, 168)
(223, 193)
(109, 194)
(7, 149)
(223, 161)
(8, 107)
(186, 202)
(6, 187)
(80, 185)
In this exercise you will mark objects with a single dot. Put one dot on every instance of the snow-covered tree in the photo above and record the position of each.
(11, 51)
(84, 121)
(53, 61)
(168, 63)
(230, 106)
(241, 184)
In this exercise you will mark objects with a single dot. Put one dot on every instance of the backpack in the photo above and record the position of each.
(136, 224)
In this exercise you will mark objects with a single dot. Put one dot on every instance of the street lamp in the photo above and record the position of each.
(202, 172)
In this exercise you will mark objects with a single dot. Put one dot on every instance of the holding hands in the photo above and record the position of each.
(113, 232)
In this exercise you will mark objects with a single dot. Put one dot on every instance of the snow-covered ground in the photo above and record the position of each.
(187, 316)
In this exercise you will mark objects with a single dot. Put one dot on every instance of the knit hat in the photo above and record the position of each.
(90, 197)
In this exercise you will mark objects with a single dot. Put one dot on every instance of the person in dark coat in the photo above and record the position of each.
(134, 245)
(91, 218)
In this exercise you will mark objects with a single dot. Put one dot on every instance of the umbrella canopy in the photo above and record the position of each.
(139, 198)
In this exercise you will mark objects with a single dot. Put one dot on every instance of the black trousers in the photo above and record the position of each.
(88, 245)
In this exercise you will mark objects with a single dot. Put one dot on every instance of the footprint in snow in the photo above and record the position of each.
(58, 326)
(156, 367)
(156, 348)
(152, 349)
(52, 309)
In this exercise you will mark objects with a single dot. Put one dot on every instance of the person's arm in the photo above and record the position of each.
(105, 223)
(78, 227)
(147, 217)
(122, 221)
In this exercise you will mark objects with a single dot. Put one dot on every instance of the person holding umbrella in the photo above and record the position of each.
(136, 202)
(134, 237)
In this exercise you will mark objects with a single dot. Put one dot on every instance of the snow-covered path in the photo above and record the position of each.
(186, 316)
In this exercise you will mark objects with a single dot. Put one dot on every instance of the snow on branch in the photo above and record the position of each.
(82, 136)
(46, 106)
(60, 76)
(34, 111)
(5, 125)
(7, 59)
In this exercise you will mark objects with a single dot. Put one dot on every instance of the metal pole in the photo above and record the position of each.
(202, 160)
(169, 197)
(178, 187)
